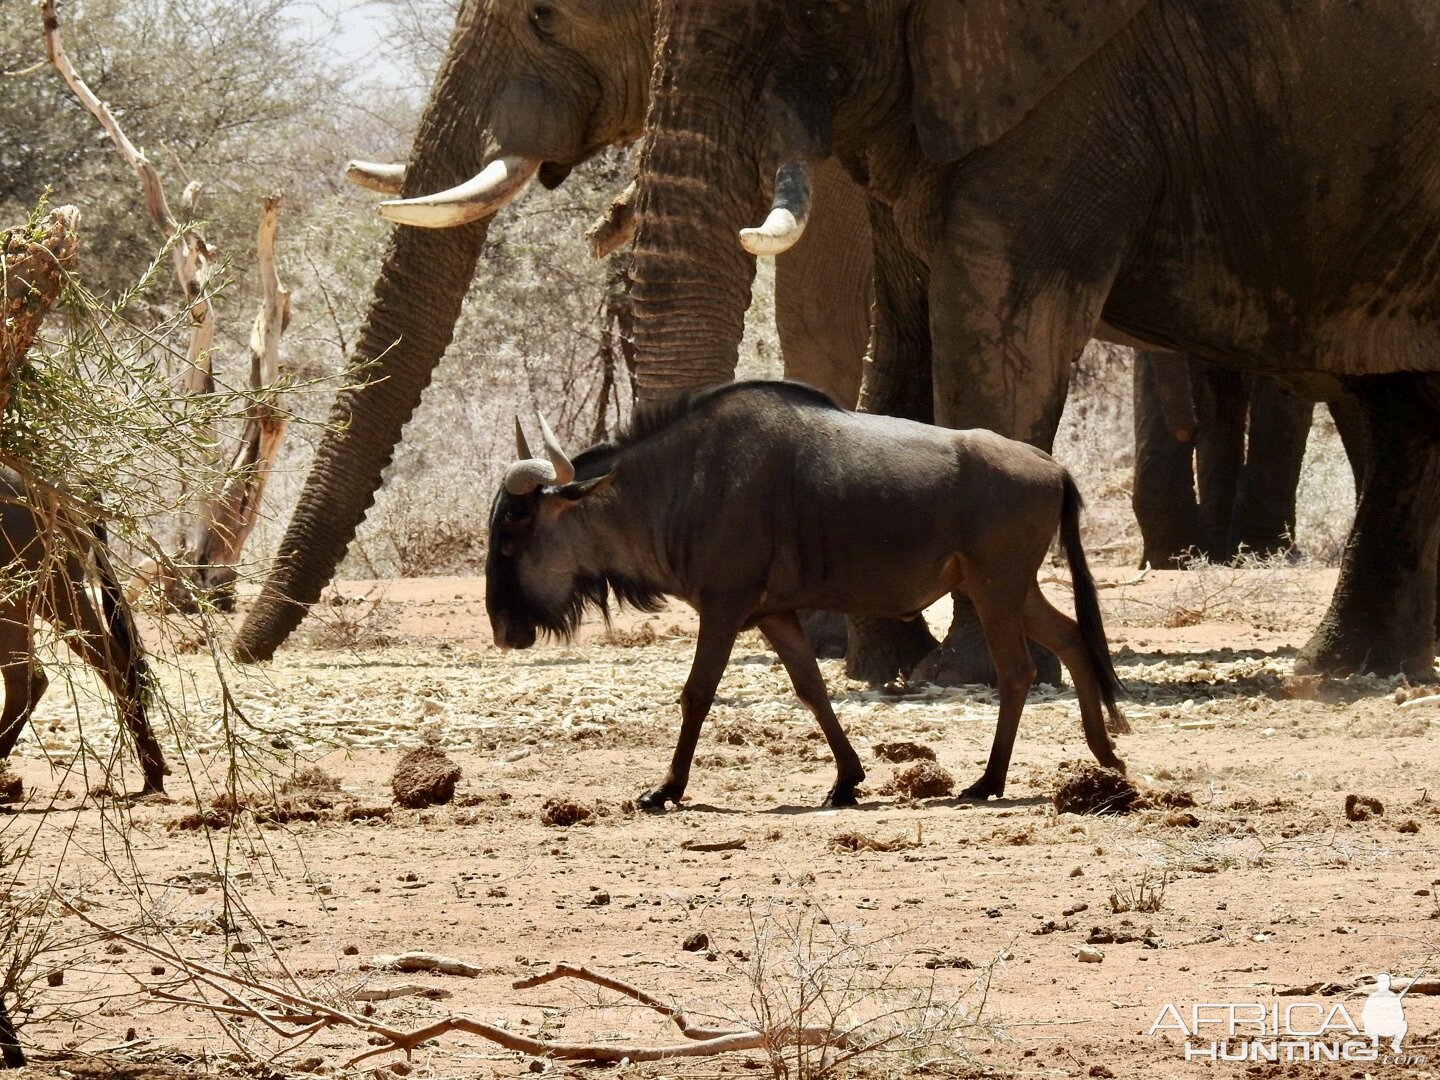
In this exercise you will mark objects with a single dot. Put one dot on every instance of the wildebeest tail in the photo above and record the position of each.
(1087, 598)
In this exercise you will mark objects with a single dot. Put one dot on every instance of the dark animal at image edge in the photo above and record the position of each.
(753, 500)
(54, 588)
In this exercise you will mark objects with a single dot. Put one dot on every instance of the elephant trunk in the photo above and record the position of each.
(410, 323)
(691, 276)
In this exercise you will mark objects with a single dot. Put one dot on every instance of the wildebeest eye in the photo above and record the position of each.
(544, 18)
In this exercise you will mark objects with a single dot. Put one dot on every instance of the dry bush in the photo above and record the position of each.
(1146, 895)
(348, 622)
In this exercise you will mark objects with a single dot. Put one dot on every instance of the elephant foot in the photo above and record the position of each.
(1335, 653)
(654, 800)
(842, 795)
(881, 649)
(962, 662)
(826, 633)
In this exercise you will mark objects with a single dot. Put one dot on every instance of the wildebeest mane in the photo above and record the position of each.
(593, 591)
(651, 420)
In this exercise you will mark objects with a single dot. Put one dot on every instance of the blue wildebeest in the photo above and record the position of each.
(752, 500)
(44, 577)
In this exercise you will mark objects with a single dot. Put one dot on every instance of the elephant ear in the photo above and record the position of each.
(980, 65)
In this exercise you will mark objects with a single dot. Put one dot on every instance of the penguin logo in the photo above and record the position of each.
(1384, 1014)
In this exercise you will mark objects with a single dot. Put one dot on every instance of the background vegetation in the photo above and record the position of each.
(252, 96)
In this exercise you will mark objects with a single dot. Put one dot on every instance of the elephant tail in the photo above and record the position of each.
(1087, 599)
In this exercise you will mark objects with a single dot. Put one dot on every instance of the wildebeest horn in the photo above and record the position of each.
(522, 448)
(481, 195)
(788, 212)
(525, 476)
(564, 471)
(385, 178)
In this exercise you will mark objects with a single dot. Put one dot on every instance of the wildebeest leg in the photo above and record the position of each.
(1002, 623)
(25, 682)
(712, 653)
(115, 662)
(1058, 632)
(785, 635)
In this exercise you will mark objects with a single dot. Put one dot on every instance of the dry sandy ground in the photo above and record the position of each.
(968, 932)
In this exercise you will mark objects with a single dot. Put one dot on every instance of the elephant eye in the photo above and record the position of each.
(544, 17)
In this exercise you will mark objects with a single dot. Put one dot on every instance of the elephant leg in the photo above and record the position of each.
(1163, 495)
(1349, 420)
(823, 290)
(1263, 519)
(822, 315)
(1017, 285)
(1220, 401)
(896, 383)
(1382, 617)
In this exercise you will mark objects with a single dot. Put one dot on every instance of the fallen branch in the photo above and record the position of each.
(425, 961)
(297, 1017)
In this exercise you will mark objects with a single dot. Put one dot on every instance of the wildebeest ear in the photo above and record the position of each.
(980, 65)
(580, 489)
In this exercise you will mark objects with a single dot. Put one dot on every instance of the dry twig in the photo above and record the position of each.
(295, 1016)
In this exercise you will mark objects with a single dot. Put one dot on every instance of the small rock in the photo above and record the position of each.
(1301, 687)
(55, 978)
(424, 777)
(1087, 955)
(696, 942)
(131, 1035)
(925, 781)
(1363, 807)
(351, 950)
(898, 752)
(1409, 825)
(600, 899)
(157, 969)
(1079, 871)
(242, 947)
(11, 788)
(1093, 790)
(562, 813)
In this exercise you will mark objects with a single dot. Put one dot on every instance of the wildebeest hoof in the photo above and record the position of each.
(983, 789)
(655, 799)
(841, 795)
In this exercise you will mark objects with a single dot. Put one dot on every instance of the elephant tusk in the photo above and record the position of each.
(480, 196)
(616, 227)
(376, 176)
(788, 212)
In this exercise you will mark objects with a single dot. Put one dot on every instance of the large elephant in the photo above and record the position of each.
(1252, 183)
(526, 90)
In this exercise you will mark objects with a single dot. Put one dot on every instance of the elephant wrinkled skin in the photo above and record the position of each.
(1257, 185)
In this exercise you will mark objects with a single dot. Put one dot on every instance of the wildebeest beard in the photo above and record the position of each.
(592, 592)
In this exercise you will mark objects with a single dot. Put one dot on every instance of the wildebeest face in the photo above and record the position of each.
(533, 577)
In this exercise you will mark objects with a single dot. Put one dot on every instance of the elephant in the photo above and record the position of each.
(526, 90)
(1250, 183)
(1201, 489)
(502, 72)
